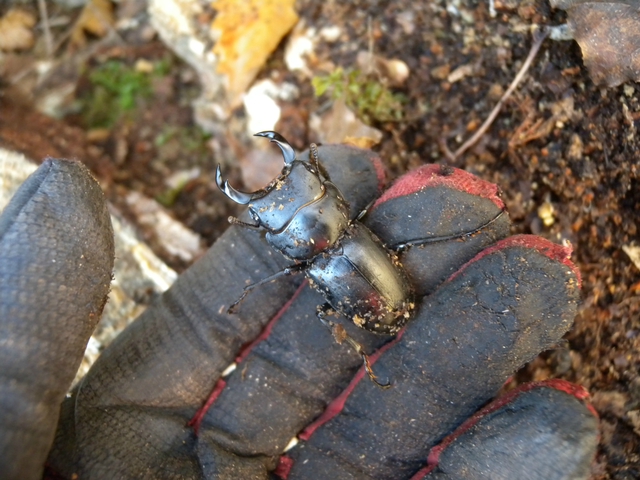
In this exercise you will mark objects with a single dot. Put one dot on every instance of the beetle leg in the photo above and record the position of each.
(293, 269)
(365, 361)
(341, 335)
(424, 241)
(365, 210)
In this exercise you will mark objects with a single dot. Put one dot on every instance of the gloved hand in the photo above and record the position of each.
(490, 308)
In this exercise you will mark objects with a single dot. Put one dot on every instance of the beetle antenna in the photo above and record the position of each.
(314, 160)
(313, 155)
(236, 221)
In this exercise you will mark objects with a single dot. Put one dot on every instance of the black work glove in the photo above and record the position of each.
(136, 413)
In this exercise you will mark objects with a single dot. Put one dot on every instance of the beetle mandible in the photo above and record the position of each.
(306, 218)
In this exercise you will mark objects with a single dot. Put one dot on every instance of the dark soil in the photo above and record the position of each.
(561, 144)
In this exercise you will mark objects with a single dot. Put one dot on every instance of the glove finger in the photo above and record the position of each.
(440, 218)
(154, 377)
(290, 376)
(545, 431)
(56, 258)
(510, 302)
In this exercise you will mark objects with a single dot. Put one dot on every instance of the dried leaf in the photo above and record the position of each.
(247, 32)
(608, 33)
(361, 142)
(15, 30)
(96, 18)
(339, 125)
(393, 70)
(633, 252)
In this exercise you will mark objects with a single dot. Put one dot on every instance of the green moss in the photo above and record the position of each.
(168, 197)
(191, 139)
(115, 90)
(368, 97)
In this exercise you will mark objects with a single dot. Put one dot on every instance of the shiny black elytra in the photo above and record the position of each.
(306, 218)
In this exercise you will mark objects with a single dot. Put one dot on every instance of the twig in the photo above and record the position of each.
(44, 16)
(370, 40)
(538, 38)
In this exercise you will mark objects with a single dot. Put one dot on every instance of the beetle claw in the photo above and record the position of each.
(244, 198)
(288, 152)
(237, 196)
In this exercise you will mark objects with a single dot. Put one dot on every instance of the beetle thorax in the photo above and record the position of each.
(291, 191)
(303, 214)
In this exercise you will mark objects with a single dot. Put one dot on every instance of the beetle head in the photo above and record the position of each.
(274, 206)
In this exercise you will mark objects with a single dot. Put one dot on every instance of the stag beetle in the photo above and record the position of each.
(306, 218)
